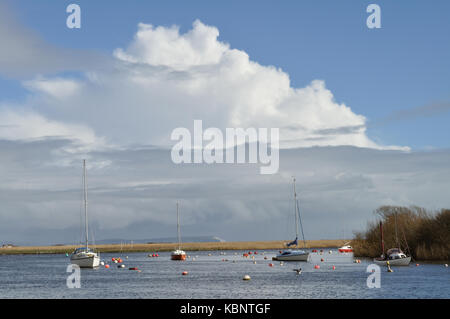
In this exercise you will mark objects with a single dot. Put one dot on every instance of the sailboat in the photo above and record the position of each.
(394, 256)
(178, 254)
(294, 255)
(85, 257)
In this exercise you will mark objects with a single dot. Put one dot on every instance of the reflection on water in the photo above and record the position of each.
(44, 276)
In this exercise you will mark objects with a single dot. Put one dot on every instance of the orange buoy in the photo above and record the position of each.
(245, 255)
(316, 267)
(270, 265)
(106, 266)
(184, 273)
(112, 259)
(417, 265)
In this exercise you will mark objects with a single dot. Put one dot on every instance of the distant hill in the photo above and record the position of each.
(186, 239)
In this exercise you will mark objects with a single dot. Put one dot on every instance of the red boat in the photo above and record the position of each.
(178, 254)
(345, 249)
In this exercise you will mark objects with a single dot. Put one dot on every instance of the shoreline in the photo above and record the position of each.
(161, 247)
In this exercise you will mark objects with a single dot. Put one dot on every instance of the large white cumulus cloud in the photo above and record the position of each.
(165, 79)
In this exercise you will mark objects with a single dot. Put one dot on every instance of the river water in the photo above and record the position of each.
(213, 274)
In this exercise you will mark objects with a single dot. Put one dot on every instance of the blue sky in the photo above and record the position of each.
(404, 65)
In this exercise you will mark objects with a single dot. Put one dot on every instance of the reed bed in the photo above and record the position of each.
(159, 247)
(426, 234)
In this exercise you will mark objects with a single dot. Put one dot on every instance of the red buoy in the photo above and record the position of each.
(270, 265)
(316, 267)
(333, 267)
(133, 268)
(321, 259)
(184, 273)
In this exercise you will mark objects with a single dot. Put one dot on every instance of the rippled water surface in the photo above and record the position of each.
(218, 275)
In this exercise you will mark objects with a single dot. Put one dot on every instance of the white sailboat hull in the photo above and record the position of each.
(292, 256)
(91, 261)
(393, 262)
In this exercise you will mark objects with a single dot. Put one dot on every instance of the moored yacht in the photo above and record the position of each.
(345, 249)
(394, 256)
(178, 254)
(297, 254)
(292, 255)
(85, 257)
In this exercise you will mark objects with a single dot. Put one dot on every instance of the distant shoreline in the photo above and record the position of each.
(160, 247)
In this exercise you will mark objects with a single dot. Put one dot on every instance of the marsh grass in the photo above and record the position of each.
(159, 247)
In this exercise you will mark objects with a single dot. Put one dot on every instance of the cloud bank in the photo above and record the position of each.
(165, 79)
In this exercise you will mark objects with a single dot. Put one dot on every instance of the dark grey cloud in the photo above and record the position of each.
(341, 130)
(25, 53)
(134, 195)
(428, 110)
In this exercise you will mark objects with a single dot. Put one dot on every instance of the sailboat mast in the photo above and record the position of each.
(396, 233)
(295, 211)
(85, 203)
(178, 229)
(382, 239)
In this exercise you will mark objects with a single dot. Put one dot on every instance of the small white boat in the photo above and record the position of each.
(345, 249)
(85, 257)
(294, 255)
(178, 254)
(395, 257)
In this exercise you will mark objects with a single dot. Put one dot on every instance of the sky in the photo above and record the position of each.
(363, 115)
